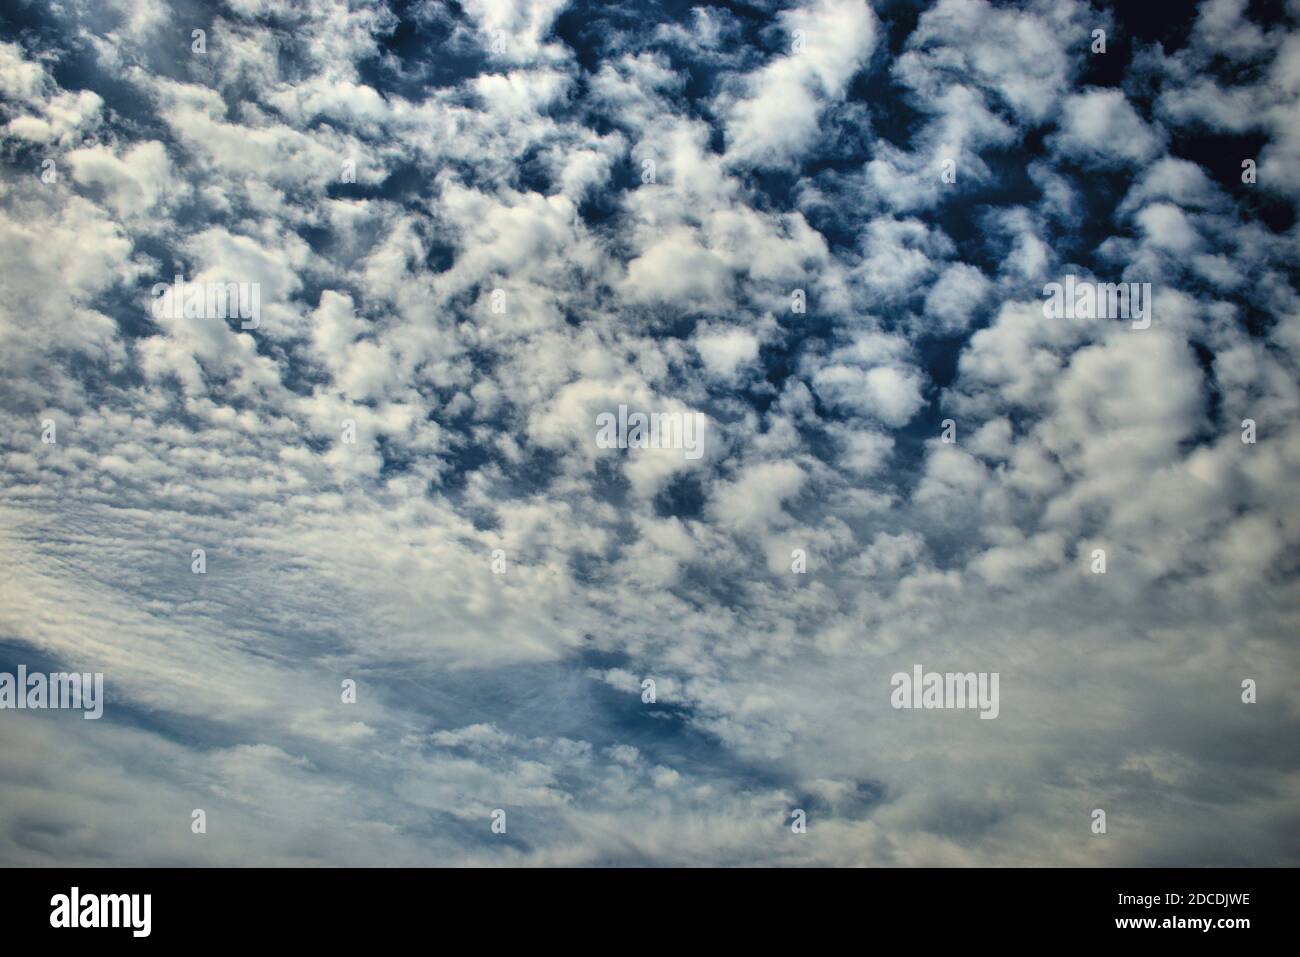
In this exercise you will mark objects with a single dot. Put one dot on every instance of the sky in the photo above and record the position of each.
(436, 622)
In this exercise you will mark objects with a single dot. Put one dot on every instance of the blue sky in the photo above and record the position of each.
(503, 147)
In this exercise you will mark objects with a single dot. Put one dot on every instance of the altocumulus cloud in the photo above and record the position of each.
(425, 593)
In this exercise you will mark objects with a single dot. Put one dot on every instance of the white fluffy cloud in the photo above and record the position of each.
(772, 116)
(1101, 126)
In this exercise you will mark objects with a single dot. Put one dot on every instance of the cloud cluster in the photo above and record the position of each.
(475, 229)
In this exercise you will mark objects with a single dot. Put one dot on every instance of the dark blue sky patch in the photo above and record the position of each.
(1168, 23)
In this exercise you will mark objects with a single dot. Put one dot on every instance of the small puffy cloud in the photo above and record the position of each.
(514, 30)
(678, 270)
(38, 111)
(1101, 127)
(871, 377)
(133, 183)
(726, 350)
(959, 291)
(773, 114)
